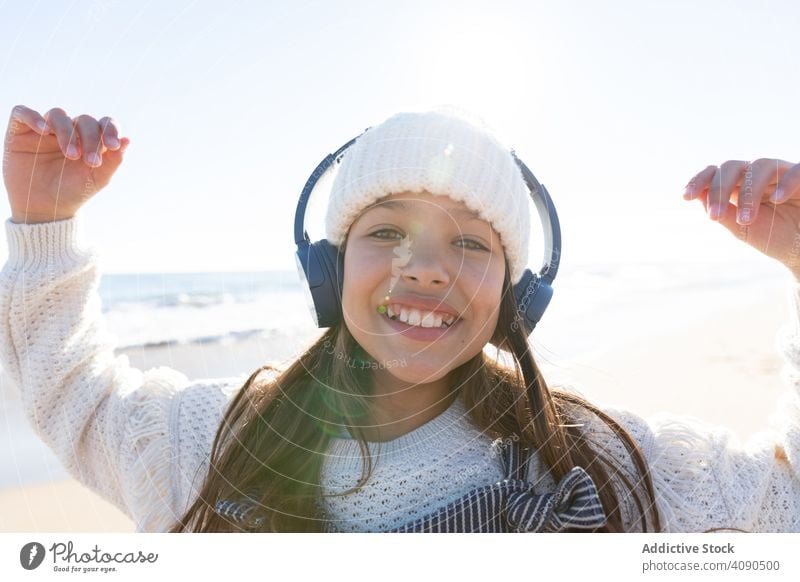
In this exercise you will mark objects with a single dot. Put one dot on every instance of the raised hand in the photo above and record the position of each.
(53, 164)
(758, 202)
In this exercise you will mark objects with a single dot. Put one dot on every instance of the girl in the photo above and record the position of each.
(428, 211)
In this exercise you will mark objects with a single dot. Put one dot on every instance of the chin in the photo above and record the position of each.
(411, 367)
(416, 374)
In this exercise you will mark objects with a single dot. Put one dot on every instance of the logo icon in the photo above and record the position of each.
(31, 555)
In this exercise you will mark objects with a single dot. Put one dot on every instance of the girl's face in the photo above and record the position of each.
(424, 247)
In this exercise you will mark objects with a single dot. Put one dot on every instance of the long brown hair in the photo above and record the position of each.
(273, 438)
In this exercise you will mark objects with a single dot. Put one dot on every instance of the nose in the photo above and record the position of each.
(425, 266)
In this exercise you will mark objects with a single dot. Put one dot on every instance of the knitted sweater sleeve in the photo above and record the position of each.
(705, 478)
(136, 438)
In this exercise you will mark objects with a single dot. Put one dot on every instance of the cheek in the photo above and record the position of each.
(363, 277)
(363, 262)
(483, 283)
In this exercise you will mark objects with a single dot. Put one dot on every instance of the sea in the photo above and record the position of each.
(594, 308)
(146, 310)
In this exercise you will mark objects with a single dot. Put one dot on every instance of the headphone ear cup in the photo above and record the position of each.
(532, 296)
(332, 262)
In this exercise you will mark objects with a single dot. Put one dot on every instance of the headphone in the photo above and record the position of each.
(321, 265)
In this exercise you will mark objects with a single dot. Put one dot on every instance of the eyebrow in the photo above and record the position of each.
(400, 205)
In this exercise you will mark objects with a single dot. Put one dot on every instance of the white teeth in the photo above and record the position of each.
(428, 320)
(415, 317)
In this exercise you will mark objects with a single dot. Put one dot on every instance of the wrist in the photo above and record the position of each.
(29, 218)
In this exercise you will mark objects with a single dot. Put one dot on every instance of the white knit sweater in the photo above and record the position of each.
(142, 439)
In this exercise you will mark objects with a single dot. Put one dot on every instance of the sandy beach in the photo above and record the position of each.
(722, 369)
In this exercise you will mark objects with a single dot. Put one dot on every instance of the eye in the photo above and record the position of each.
(478, 246)
(385, 230)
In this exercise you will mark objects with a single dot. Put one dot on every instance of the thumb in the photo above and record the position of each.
(111, 161)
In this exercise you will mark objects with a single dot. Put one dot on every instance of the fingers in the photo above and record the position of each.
(111, 161)
(30, 118)
(757, 181)
(788, 186)
(699, 183)
(89, 133)
(723, 183)
(83, 137)
(65, 133)
(747, 184)
(110, 133)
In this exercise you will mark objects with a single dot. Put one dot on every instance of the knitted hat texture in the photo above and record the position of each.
(442, 153)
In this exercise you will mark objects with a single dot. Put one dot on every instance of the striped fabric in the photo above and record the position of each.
(511, 506)
(507, 506)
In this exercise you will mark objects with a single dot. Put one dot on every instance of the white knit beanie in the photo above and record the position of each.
(443, 153)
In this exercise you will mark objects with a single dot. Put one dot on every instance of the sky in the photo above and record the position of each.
(230, 105)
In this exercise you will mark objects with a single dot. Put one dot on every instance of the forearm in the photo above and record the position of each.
(55, 347)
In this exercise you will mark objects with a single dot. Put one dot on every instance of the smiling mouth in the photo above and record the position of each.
(443, 326)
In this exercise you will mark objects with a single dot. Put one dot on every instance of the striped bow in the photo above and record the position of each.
(575, 503)
(511, 506)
